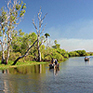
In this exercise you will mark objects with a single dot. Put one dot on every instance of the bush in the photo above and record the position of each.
(57, 56)
(14, 56)
(28, 58)
(81, 52)
(66, 56)
(73, 54)
(47, 58)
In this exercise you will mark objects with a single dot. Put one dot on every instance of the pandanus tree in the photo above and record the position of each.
(47, 35)
(10, 17)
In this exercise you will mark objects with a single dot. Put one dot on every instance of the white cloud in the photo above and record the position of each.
(73, 36)
(76, 44)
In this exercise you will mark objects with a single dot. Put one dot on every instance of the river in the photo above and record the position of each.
(75, 76)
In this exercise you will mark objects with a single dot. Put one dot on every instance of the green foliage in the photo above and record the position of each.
(89, 53)
(14, 56)
(22, 42)
(55, 42)
(12, 18)
(58, 56)
(81, 52)
(21, 33)
(66, 56)
(56, 46)
(18, 7)
(3, 16)
(24, 6)
(22, 13)
(46, 35)
(27, 58)
(73, 54)
(78, 53)
(47, 58)
(52, 53)
(61, 51)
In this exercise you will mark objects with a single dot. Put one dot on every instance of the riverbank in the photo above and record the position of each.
(9, 65)
(26, 63)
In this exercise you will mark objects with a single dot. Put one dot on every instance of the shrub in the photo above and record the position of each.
(81, 52)
(66, 56)
(14, 56)
(57, 56)
(47, 58)
(73, 54)
(28, 58)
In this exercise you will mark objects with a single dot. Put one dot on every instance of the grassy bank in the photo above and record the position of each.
(26, 63)
(9, 65)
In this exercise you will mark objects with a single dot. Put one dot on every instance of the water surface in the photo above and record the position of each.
(75, 76)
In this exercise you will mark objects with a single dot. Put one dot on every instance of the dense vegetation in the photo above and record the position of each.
(22, 41)
(17, 45)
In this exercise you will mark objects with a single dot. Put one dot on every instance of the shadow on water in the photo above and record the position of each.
(26, 69)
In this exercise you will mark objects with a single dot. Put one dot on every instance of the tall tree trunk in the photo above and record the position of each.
(24, 54)
(8, 51)
(3, 55)
(39, 54)
(39, 31)
(3, 46)
(9, 41)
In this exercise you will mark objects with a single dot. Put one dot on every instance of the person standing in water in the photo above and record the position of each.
(55, 61)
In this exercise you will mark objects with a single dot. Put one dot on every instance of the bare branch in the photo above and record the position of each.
(0, 41)
(39, 15)
(43, 29)
(44, 17)
(35, 26)
(42, 41)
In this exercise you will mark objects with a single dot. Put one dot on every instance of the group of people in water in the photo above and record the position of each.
(54, 61)
(54, 65)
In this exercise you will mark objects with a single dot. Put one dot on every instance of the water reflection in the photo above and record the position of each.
(26, 69)
(87, 62)
(5, 71)
(74, 77)
(54, 71)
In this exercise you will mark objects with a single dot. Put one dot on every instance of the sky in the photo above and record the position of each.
(70, 22)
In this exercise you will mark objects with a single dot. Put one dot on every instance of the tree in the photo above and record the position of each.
(47, 35)
(3, 22)
(39, 31)
(81, 52)
(55, 42)
(56, 46)
(39, 43)
(26, 53)
(9, 20)
(21, 43)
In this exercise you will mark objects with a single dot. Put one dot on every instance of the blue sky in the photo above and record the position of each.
(70, 22)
